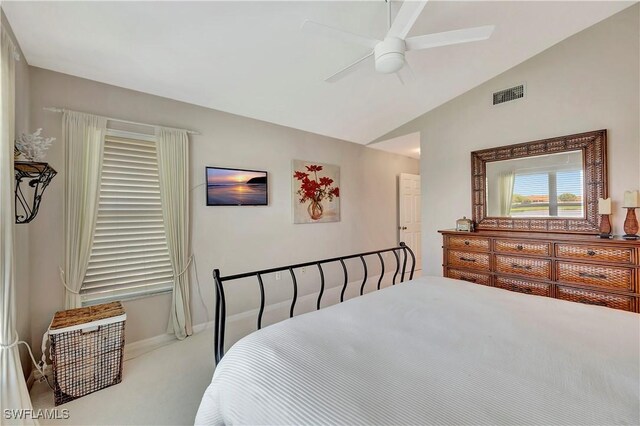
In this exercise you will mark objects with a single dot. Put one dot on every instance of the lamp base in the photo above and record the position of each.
(605, 236)
(631, 237)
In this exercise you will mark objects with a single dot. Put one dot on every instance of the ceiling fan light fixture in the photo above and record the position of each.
(389, 55)
(389, 63)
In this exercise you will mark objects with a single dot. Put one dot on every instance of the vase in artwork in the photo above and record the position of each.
(313, 190)
(315, 210)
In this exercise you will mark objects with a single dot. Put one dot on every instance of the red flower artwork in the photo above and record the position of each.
(315, 189)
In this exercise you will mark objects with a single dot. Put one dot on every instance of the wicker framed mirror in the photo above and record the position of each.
(549, 185)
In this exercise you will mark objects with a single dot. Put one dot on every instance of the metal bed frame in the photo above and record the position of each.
(220, 314)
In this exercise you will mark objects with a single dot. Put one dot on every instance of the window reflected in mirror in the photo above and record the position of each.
(550, 185)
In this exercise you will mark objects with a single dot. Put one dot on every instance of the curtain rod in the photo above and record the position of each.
(57, 109)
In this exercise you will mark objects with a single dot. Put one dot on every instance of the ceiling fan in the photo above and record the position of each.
(389, 53)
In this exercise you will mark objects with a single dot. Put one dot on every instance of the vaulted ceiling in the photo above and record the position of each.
(251, 59)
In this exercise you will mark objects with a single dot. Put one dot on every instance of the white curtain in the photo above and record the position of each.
(83, 135)
(507, 181)
(173, 173)
(13, 389)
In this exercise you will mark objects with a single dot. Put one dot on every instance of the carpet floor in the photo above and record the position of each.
(161, 387)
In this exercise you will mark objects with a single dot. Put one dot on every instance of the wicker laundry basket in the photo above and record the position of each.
(87, 346)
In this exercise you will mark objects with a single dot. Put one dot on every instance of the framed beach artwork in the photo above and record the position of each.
(316, 192)
(236, 187)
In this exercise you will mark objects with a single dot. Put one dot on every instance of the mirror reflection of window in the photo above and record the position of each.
(542, 186)
(507, 186)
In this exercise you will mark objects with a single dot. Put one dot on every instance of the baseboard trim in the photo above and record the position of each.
(140, 347)
(31, 380)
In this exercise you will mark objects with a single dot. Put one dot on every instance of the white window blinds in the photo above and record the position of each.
(548, 193)
(129, 257)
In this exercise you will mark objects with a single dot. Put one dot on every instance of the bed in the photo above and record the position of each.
(434, 350)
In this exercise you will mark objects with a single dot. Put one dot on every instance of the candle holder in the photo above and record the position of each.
(605, 226)
(631, 224)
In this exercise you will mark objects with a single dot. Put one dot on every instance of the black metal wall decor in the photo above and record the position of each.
(401, 253)
(31, 181)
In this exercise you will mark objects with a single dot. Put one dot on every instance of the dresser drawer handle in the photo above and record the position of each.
(466, 259)
(519, 247)
(597, 276)
(592, 302)
(591, 253)
(466, 243)
(516, 266)
(471, 280)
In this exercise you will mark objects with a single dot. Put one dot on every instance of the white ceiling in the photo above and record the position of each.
(407, 145)
(251, 59)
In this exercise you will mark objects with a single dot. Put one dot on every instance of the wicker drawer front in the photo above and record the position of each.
(471, 277)
(605, 276)
(522, 286)
(468, 260)
(511, 246)
(602, 254)
(468, 243)
(616, 301)
(539, 268)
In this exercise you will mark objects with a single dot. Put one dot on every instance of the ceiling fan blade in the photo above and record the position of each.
(406, 17)
(348, 69)
(449, 37)
(316, 28)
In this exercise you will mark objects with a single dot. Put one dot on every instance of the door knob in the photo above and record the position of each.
(403, 228)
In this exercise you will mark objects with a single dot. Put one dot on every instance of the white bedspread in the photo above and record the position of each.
(434, 351)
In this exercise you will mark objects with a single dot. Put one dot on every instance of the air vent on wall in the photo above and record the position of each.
(507, 95)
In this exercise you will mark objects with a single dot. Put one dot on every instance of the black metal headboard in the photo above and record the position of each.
(220, 318)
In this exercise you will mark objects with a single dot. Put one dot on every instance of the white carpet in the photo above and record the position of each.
(162, 387)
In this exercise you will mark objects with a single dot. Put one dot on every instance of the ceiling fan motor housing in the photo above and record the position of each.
(389, 55)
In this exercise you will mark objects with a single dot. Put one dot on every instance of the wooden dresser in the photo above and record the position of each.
(578, 268)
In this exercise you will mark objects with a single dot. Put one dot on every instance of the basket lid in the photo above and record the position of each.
(78, 316)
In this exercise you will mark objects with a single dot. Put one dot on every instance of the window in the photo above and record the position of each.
(548, 193)
(129, 257)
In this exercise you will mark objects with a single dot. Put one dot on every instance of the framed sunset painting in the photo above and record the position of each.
(316, 192)
(236, 187)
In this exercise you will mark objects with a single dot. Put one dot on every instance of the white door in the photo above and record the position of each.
(409, 214)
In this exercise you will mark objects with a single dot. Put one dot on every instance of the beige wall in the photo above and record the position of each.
(21, 248)
(234, 239)
(589, 81)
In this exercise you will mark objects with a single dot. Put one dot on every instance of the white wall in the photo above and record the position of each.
(234, 239)
(589, 81)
